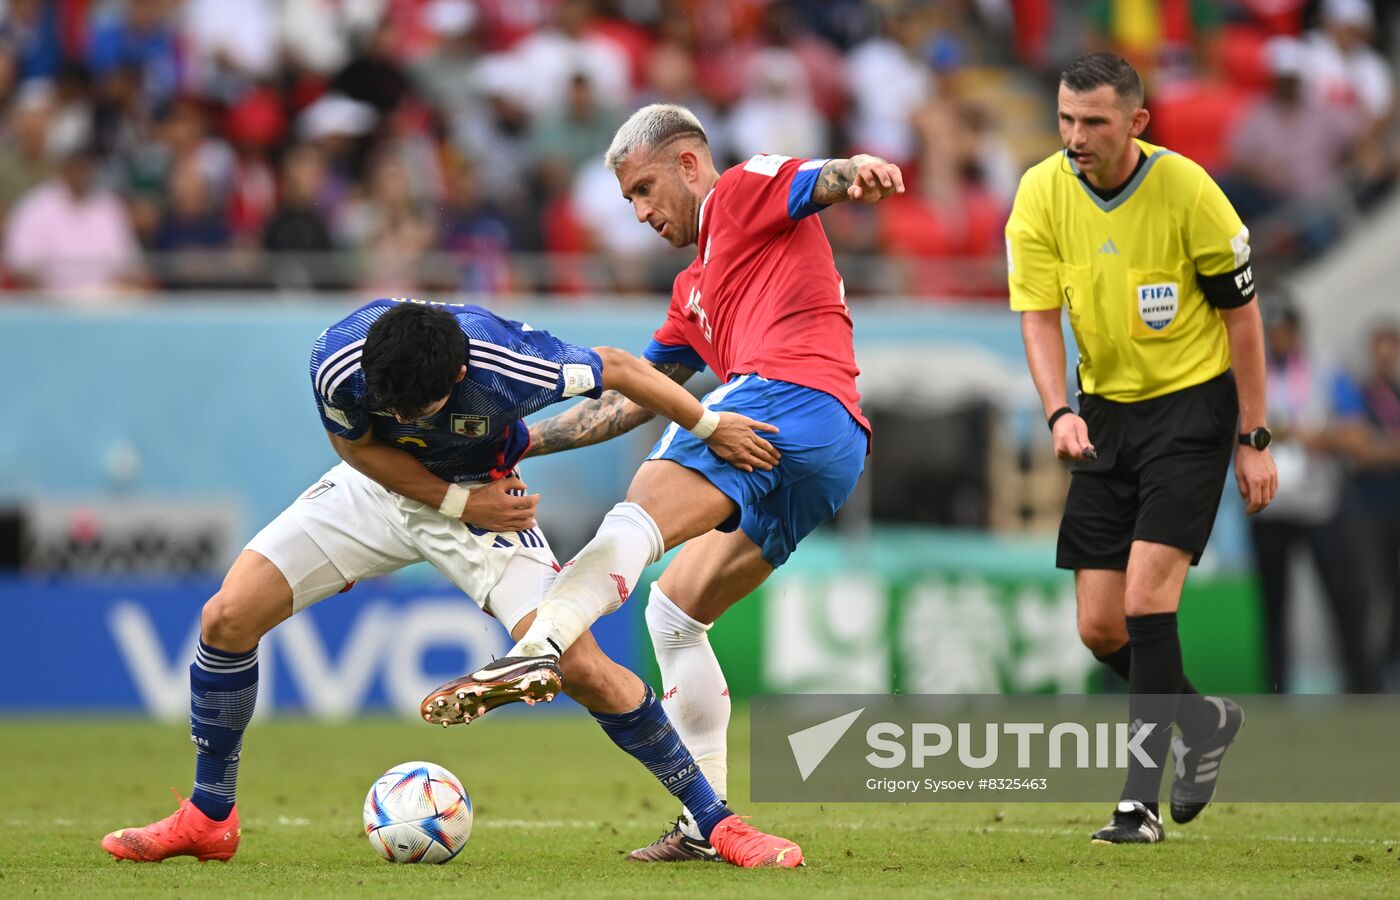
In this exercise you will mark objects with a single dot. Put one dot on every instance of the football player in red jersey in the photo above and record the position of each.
(763, 305)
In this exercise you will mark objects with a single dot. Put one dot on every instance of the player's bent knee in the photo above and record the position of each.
(1102, 638)
(1149, 602)
(225, 624)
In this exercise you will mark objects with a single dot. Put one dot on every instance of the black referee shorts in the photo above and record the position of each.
(1162, 465)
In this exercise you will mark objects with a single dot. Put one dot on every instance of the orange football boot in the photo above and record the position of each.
(185, 832)
(745, 846)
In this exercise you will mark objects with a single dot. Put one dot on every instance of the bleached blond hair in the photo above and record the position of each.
(651, 127)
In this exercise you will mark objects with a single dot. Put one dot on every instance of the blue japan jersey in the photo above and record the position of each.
(512, 371)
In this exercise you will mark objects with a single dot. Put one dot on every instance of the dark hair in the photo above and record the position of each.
(1097, 69)
(411, 357)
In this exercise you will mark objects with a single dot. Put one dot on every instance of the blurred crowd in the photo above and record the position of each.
(1337, 447)
(391, 146)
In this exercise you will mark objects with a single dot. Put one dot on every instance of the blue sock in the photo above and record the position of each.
(223, 690)
(648, 735)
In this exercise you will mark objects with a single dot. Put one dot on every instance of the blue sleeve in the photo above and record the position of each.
(800, 203)
(336, 379)
(1347, 401)
(539, 368)
(657, 352)
(343, 418)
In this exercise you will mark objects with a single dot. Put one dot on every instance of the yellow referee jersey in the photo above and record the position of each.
(1142, 274)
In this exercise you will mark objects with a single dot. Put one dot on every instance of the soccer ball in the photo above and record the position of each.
(418, 812)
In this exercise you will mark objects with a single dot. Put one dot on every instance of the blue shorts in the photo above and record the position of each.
(823, 450)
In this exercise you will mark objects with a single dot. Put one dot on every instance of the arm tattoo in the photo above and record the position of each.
(595, 421)
(836, 177)
(833, 181)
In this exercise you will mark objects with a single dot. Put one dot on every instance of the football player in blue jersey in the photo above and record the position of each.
(423, 403)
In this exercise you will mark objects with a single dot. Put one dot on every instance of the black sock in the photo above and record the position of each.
(1154, 689)
(1196, 717)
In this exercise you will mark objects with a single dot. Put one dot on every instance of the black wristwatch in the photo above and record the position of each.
(1259, 438)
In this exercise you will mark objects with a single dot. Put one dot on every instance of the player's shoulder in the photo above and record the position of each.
(350, 330)
(1180, 171)
(768, 165)
(1037, 184)
(353, 329)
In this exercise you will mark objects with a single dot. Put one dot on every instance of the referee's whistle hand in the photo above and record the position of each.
(1071, 437)
(1257, 478)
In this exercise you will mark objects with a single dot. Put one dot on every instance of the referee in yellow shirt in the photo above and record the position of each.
(1152, 263)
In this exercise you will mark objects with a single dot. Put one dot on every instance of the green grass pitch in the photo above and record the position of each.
(557, 806)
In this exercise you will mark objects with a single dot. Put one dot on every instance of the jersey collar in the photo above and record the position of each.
(700, 224)
(1128, 189)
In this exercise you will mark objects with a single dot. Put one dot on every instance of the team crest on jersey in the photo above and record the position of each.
(470, 426)
(318, 489)
(1158, 303)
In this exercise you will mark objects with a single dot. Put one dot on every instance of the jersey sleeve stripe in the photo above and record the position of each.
(340, 379)
(506, 351)
(512, 373)
(331, 362)
(333, 376)
(524, 368)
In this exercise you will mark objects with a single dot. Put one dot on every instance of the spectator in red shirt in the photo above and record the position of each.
(948, 215)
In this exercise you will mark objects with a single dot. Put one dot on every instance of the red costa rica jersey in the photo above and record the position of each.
(763, 294)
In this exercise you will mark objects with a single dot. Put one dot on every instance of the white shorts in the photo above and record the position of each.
(348, 527)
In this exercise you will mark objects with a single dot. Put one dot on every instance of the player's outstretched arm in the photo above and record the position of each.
(862, 178)
(731, 436)
(595, 421)
(491, 506)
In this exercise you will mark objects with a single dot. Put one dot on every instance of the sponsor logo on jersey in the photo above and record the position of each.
(1158, 303)
(470, 426)
(578, 379)
(318, 489)
(1109, 247)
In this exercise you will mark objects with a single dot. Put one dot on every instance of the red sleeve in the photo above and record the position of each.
(769, 193)
(672, 331)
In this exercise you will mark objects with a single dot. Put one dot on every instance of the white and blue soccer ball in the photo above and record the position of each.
(418, 812)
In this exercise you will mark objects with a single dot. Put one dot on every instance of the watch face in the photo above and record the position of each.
(1260, 438)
